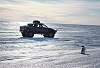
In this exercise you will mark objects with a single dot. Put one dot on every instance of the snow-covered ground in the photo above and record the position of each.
(62, 51)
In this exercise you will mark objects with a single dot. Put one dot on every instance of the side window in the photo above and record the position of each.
(30, 25)
(38, 25)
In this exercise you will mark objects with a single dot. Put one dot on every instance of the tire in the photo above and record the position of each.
(30, 34)
(24, 34)
(51, 35)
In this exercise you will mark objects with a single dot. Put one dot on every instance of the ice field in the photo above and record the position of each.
(62, 51)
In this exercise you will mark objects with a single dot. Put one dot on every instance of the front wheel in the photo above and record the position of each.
(51, 35)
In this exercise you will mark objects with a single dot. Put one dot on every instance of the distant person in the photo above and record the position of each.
(83, 50)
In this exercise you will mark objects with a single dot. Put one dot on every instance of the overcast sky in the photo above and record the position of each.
(54, 11)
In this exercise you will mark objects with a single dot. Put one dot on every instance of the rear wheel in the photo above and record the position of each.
(30, 34)
(24, 34)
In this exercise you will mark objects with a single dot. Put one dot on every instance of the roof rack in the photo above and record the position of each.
(36, 22)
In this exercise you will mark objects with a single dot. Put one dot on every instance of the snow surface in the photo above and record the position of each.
(62, 51)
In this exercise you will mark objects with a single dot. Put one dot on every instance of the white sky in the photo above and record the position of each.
(52, 11)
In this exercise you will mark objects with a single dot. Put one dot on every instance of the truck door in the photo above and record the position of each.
(42, 28)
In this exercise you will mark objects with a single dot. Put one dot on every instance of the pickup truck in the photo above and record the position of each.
(37, 28)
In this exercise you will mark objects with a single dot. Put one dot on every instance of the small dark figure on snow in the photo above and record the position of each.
(83, 50)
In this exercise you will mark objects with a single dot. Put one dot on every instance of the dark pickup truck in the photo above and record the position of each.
(37, 28)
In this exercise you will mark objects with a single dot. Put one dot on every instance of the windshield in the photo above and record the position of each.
(44, 26)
